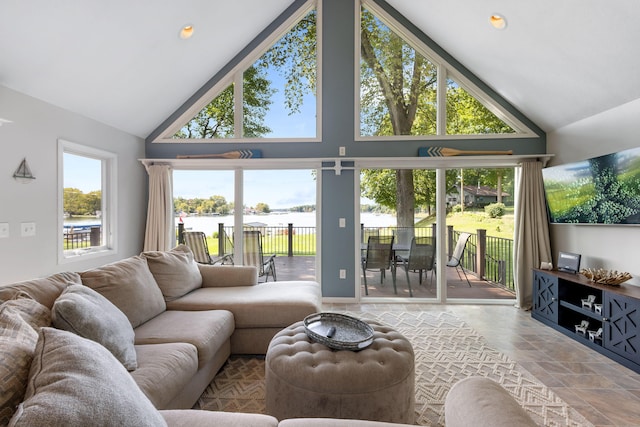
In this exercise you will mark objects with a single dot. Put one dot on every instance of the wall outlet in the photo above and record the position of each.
(27, 229)
(343, 273)
(342, 151)
(4, 230)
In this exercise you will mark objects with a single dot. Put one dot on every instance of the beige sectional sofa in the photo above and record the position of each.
(137, 341)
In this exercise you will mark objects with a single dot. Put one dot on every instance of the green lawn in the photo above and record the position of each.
(472, 220)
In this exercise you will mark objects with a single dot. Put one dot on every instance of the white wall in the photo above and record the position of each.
(601, 246)
(34, 134)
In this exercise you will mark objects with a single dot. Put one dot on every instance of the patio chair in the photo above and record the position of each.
(378, 256)
(225, 248)
(253, 255)
(421, 258)
(197, 242)
(456, 257)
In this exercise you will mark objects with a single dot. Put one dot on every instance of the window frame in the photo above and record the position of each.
(235, 77)
(108, 204)
(445, 71)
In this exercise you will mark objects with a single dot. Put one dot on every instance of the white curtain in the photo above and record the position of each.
(160, 234)
(532, 243)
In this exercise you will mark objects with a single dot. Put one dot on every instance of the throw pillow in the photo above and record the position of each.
(175, 271)
(19, 320)
(77, 382)
(130, 286)
(83, 311)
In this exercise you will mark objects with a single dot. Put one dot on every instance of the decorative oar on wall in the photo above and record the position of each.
(237, 154)
(448, 152)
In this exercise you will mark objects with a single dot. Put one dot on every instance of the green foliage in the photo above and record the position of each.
(456, 208)
(75, 202)
(262, 208)
(495, 210)
(212, 205)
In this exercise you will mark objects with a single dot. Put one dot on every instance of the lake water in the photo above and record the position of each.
(209, 224)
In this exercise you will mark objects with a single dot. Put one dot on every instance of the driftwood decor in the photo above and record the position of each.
(605, 277)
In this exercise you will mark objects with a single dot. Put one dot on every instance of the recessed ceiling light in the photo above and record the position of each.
(498, 21)
(186, 31)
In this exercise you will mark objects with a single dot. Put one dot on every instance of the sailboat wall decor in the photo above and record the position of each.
(23, 173)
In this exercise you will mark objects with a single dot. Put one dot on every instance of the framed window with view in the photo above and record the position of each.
(87, 200)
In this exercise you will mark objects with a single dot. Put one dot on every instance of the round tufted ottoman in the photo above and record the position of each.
(308, 379)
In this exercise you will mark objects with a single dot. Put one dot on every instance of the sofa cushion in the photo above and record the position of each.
(129, 285)
(164, 370)
(44, 290)
(83, 311)
(206, 330)
(76, 382)
(274, 304)
(19, 320)
(197, 418)
(175, 271)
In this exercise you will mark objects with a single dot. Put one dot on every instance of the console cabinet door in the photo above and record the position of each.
(545, 295)
(622, 326)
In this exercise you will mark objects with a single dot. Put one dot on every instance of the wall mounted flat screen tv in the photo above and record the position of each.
(601, 190)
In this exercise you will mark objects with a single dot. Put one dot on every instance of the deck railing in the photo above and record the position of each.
(488, 257)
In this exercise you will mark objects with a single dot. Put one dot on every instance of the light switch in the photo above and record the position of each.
(4, 230)
(342, 223)
(27, 229)
(342, 151)
(343, 273)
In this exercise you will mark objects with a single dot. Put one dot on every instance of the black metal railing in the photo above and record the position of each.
(487, 257)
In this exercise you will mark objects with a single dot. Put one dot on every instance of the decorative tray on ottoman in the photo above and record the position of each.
(338, 331)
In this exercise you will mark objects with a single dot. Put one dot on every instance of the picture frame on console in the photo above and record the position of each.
(569, 262)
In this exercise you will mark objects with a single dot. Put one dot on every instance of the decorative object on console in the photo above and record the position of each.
(595, 335)
(448, 152)
(588, 303)
(597, 308)
(568, 262)
(237, 154)
(582, 327)
(605, 277)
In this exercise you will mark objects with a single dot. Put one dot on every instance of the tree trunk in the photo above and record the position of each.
(405, 209)
(499, 185)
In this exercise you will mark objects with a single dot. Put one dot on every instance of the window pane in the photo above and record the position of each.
(214, 121)
(397, 84)
(82, 203)
(467, 116)
(280, 88)
(278, 93)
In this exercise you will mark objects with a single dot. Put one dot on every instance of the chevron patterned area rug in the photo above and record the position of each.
(446, 350)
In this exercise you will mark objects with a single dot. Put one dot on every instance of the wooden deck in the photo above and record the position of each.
(303, 268)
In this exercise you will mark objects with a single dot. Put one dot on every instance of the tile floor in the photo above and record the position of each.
(603, 391)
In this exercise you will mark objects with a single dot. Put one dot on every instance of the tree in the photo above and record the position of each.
(262, 208)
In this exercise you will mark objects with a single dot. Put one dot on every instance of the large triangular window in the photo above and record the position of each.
(270, 94)
(400, 81)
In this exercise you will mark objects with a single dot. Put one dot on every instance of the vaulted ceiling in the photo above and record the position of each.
(122, 62)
